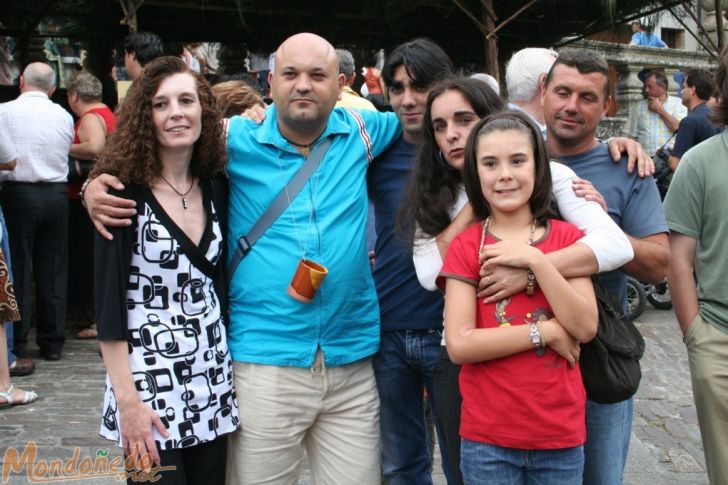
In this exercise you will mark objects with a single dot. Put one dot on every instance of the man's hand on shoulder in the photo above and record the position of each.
(105, 209)
(255, 113)
(636, 155)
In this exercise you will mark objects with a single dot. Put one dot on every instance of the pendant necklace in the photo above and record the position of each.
(184, 196)
(305, 148)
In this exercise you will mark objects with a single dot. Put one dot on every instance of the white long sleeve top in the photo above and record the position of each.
(601, 234)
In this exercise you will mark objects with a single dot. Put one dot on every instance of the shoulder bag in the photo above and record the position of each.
(610, 363)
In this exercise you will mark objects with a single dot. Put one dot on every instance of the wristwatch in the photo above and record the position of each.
(536, 339)
(535, 336)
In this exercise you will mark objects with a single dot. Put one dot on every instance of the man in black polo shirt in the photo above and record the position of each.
(696, 126)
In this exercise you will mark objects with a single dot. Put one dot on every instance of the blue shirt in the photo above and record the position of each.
(633, 202)
(647, 40)
(327, 219)
(404, 304)
(694, 128)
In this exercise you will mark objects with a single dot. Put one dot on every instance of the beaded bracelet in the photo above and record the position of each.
(83, 191)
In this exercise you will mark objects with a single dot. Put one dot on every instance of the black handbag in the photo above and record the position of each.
(663, 172)
(610, 363)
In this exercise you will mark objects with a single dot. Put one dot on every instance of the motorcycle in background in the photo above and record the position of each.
(639, 293)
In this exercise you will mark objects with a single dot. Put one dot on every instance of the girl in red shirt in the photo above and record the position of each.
(523, 398)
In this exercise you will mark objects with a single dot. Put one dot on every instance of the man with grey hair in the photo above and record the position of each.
(525, 73)
(349, 98)
(35, 204)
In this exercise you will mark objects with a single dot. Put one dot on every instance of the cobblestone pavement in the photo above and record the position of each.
(665, 447)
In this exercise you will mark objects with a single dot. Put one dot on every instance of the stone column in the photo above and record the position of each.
(709, 22)
(629, 87)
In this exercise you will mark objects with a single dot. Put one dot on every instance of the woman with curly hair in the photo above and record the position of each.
(160, 296)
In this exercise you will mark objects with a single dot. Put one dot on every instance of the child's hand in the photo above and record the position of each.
(556, 337)
(518, 255)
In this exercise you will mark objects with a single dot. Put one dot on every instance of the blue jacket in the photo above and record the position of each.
(326, 220)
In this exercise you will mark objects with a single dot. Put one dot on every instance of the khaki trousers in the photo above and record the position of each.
(331, 412)
(708, 357)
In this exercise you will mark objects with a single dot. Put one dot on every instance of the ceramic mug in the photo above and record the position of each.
(307, 279)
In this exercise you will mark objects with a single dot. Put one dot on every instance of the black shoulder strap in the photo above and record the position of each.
(279, 204)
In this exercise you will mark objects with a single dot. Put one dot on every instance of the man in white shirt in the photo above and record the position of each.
(654, 120)
(35, 204)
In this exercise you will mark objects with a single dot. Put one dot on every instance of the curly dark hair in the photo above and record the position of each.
(433, 186)
(542, 196)
(131, 152)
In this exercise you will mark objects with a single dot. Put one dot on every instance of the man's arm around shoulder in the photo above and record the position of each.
(651, 256)
(383, 129)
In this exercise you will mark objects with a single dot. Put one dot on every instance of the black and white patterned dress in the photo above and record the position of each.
(177, 344)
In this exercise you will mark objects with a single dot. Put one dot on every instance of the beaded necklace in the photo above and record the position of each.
(500, 306)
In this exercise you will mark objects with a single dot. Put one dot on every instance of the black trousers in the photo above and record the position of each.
(80, 255)
(446, 390)
(37, 219)
(203, 464)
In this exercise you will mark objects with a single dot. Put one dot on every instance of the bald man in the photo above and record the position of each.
(35, 204)
(303, 371)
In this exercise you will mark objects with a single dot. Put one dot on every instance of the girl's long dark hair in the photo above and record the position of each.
(433, 185)
(542, 196)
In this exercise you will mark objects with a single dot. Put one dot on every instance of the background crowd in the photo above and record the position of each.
(452, 185)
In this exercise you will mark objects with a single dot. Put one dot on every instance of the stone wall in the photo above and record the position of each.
(629, 61)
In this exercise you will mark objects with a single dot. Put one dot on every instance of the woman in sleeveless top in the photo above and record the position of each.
(94, 124)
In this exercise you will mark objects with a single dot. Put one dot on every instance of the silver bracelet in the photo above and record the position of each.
(83, 191)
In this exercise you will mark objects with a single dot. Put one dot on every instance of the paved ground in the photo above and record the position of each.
(665, 448)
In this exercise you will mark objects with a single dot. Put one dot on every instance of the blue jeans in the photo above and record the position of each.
(403, 369)
(486, 464)
(608, 431)
(5, 245)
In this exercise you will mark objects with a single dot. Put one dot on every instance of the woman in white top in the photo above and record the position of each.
(436, 209)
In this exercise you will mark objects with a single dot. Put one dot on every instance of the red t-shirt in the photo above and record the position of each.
(372, 81)
(521, 401)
